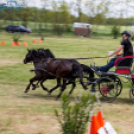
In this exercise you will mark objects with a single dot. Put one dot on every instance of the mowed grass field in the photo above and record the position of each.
(33, 113)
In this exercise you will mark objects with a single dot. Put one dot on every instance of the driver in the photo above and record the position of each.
(127, 47)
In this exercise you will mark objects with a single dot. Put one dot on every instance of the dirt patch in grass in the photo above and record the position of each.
(37, 124)
(5, 62)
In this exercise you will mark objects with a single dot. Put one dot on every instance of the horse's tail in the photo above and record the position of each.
(77, 73)
(87, 69)
(76, 70)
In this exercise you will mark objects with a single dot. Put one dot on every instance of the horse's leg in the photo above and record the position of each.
(41, 83)
(58, 85)
(35, 85)
(72, 81)
(31, 81)
(73, 86)
(81, 80)
(62, 89)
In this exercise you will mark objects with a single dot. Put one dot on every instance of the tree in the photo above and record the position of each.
(84, 18)
(64, 16)
(25, 16)
(79, 9)
(115, 31)
(98, 11)
(45, 12)
(56, 19)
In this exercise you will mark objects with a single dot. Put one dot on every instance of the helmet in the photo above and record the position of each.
(127, 33)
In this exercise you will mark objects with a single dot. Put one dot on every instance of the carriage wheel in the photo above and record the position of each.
(118, 84)
(107, 88)
(131, 94)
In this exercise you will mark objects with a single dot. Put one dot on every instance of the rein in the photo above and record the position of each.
(39, 61)
(76, 58)
(49, 60)
(43, 70)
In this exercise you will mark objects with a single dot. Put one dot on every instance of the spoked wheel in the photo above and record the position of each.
(118, 84)
(131, 94)
(107, 88)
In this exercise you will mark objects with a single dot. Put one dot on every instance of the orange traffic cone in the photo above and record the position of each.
(3, 43)
(13, 44)
(100, 119)
(34, 41)
(17, 43)
(25, 44)
(95, 126)
(40, 40)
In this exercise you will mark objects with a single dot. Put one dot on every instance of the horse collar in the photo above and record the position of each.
(49, 60)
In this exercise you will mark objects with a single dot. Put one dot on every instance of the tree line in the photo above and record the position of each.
(96, 14)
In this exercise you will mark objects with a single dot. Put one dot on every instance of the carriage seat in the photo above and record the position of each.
(123, 65)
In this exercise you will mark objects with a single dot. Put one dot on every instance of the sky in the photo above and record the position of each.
(114, 10)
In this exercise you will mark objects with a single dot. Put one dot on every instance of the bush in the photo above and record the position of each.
(115, 31)
(74, 118)
(58, 29)
(16, 37)
(68, 28)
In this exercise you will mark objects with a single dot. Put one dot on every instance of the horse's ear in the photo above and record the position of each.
(28, 50)
(35, 53)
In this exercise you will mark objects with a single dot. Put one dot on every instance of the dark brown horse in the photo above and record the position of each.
(48, 68)
(45, 53)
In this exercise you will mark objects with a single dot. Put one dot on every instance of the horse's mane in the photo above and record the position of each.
(47, 53)
(32, 49)
(34, 52)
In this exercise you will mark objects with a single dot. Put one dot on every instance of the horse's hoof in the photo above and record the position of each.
(33, 88)
(37, 86)
(85, 88)
(49, 93)
(57, 98)
(25, 91)
(68, 95)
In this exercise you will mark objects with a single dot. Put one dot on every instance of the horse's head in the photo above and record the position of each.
(30, 56)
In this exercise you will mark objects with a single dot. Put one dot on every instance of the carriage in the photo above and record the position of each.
(109, 83)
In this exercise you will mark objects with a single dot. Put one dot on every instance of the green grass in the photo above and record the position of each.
(33, 113)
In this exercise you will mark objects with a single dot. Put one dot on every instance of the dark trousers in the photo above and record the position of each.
(108, 66)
